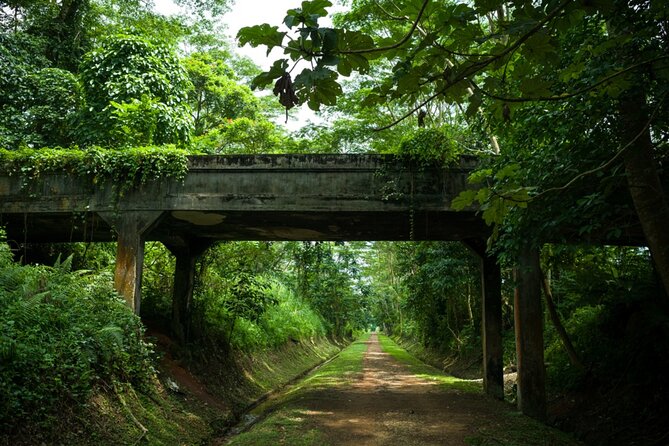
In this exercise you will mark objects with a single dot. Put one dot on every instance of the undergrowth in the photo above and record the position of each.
(63, 334)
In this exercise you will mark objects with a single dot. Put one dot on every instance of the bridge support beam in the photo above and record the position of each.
(186, 253)
(131, 227)
(528, 316)
(491, 288)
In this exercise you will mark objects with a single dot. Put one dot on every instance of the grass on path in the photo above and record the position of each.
(286, 422)
(425, 371)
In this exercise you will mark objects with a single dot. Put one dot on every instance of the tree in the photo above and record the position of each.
(442, 281)
(38, 104)
(389, 291)
(327, 276)
(216, 96)
(136, 93)
(243, 136)
(494, 61)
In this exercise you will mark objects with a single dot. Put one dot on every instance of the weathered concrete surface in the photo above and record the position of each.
(264, 197)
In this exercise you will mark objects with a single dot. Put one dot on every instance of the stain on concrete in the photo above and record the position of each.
(199, 218)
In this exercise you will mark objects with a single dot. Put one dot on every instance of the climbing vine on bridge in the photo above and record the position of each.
(124, 169)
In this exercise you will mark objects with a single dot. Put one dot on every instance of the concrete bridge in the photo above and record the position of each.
(283, 197)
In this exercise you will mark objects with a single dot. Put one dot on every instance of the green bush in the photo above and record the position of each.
(61, 334)
(430, 145)
(286, 318)
(291, 318)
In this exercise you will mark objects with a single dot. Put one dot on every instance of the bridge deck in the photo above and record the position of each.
(264, 197)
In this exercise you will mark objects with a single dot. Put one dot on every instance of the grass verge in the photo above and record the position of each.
(283, 420)
(248, 377)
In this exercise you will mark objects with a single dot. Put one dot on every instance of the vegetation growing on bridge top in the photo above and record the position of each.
(124, 169)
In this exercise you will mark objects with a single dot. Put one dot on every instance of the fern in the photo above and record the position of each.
(7, 349)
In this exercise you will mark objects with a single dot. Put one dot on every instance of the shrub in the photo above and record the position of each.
(61, 334)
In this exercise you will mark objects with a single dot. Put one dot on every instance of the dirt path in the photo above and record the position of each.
(388, 405)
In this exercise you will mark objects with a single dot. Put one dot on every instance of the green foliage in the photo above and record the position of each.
(608, 295)
(327, 275)
(496, 195)
(430, 145)
(287, 319)
(140, 121)
(127, 76)
(63, 333)
(244, 302)
(216, 96)
(324, 47)
(246, 299)
(516, 77)
(442, 289)
(291, 318)
(242, 136)
(38, 104)
(123, 169)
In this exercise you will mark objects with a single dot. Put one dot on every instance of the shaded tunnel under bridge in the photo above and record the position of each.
(283, 197)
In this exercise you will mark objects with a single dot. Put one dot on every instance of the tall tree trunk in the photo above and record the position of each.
(561, 331)
(643, 180)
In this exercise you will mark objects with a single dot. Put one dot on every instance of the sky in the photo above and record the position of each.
(255, 12)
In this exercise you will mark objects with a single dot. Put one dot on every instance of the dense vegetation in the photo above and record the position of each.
(64, 334)
(563, 102)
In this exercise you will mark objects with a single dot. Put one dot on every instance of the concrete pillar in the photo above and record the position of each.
(493, 365)
(491, 305)
(528, 317)
(186, 253)
(130, 227)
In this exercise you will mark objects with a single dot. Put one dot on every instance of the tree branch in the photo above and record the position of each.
(608, 163)
(412, 111)
(395, 45)
(573, 94)
(472, 69)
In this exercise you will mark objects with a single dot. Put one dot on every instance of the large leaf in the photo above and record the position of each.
(264, 34)
(276, 71)
(316, 7)
(318, 86)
